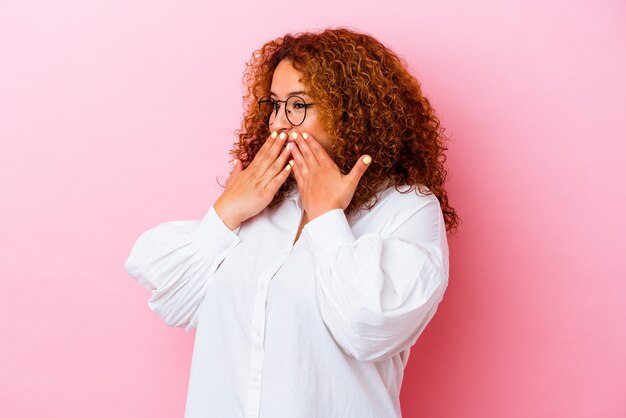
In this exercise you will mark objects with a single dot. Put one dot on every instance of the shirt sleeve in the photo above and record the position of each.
(175, 260)
(377, 293)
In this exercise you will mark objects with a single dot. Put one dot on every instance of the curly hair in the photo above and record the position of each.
(369, 103)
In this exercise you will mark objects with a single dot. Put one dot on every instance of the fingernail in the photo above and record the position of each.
(288, 167)
(367, 159)
(234, 162)
(294, 135)
(274, 134)
(283, 135)
(291, 163)
(305, 135)
(289, 146)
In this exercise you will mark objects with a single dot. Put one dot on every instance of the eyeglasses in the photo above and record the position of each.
(295, 109)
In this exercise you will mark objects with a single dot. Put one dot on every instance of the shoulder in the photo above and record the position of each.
(413, 214)
(405, 199)
(395, 205)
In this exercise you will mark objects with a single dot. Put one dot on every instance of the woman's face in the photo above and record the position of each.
(286, 83)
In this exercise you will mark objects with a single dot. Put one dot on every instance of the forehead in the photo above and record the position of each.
(286, 80)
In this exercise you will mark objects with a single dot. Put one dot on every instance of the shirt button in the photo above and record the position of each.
(255, 378)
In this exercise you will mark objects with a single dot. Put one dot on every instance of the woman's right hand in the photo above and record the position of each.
(249, 191)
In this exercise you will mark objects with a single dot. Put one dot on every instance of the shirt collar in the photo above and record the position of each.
(294, 195)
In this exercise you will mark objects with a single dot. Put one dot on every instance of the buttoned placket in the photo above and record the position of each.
(257, 351)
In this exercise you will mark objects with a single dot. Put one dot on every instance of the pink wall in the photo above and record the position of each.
(117, 115)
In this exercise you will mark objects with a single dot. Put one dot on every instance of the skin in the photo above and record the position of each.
(321, 184)
(285, 81)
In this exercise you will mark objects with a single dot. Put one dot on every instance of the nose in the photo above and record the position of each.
(280, 122)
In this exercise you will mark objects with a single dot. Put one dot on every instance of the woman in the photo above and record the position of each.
(325, 257)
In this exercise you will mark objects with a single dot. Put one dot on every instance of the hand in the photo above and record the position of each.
(249, 191)
(322, 185)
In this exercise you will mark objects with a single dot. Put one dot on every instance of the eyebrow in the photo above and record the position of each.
(290, 94)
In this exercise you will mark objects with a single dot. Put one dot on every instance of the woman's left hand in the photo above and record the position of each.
(322, 185)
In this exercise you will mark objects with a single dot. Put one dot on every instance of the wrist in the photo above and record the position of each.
(229, 219)
(320, 211)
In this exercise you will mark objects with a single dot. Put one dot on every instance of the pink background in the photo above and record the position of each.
(117, 115)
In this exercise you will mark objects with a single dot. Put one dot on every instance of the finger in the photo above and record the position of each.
(277, 146)
(306, 151)
(267, 144)
(279, 179)
(274, 151)
(297, 174)
(271, 146)
(318, 150)
(277, 165)
(359, 169)
(299, 160)
(237, 167)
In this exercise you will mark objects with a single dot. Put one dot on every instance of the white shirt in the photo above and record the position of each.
(322, 328)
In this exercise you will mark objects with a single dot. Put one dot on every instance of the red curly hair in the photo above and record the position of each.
(369, 103)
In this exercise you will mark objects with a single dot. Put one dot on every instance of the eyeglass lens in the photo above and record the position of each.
(295, 109)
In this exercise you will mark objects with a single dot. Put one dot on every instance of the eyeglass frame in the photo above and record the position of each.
(270, 99)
